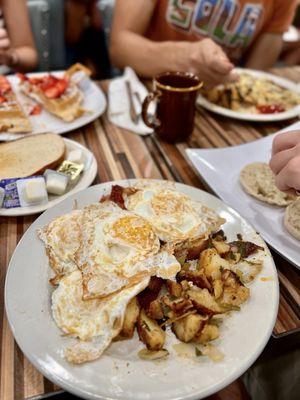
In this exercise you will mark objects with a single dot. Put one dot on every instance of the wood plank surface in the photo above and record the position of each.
(121, 154)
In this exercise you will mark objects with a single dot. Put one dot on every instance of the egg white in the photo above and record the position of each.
(175, 216)
(94, 322)
(62, 239)
(118, 248)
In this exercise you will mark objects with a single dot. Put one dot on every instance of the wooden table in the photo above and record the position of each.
(121, 154)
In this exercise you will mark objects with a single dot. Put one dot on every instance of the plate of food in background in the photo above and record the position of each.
(38, 171)
(48, 102)
(240, 175)
(256, 96)
(145, 288)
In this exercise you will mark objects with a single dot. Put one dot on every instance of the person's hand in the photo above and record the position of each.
(7, 55)
(285, 161)
(211, 64)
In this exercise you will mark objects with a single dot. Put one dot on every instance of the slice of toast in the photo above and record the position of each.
(12, 117)
(31, 155)
(58, 95)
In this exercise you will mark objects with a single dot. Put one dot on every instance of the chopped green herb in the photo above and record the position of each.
(216, 321)
(230, 307)
(198, 352)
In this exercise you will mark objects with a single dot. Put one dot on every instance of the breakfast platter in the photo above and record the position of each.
(224, 169)
(162, 230)
(257, 96)
(56, 102)
(13, 199)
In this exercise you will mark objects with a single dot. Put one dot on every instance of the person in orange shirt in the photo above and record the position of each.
(206, 37)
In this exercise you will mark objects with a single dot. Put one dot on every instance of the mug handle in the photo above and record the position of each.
(153, 122)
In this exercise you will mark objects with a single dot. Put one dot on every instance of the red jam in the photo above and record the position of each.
(36, 110)
(270, 109)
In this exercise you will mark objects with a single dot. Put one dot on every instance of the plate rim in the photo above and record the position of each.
(93, 168)
(287, 83)
(194, 395)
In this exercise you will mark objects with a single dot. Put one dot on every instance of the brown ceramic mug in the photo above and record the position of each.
(175, 96)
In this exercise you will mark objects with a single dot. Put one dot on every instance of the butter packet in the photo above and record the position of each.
(72, 169)
(32, 191)
(11, 196)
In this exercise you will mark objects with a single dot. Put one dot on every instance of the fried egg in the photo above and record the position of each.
(118, 248)
(61, 238)
(93, 322)
(175, 216)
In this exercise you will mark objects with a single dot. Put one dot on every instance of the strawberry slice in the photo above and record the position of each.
(48, 81)
(22, 77)
(57, 89)
(2, 99)
(36, 81)
(52, 92)
(36, 110)
(4, 85)
(62, 85)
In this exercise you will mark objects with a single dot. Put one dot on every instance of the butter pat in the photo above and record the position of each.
(32, 191)
(75, 156)
(56, 182)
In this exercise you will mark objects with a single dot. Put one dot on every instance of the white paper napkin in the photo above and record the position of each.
(119, 106)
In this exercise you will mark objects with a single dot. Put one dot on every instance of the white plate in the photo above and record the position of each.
(94, 102)
(220, 168)
(119, 373)
(85, 180)
(292, 113)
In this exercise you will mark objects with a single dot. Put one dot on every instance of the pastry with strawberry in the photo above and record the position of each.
(59, 95)
(12, 116)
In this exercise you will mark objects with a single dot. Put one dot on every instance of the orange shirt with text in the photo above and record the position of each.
(233, 24)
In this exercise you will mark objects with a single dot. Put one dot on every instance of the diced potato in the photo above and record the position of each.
(198, 278)
(155, 310)
(207, 334)
(204, 302)
(212, 263)
(247, 270)
(221, 247)
(212, 352)
(196, 248)
(152, 355)
(185, 285)
(178, 305)
(218, 288)
(130, 319)
(174, 288)
(234, 293)
(186, 328)
(155, 284)
(150, 333)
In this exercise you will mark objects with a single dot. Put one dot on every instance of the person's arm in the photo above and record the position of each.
(285, 161)
(265, 51)
(128, 46)
(20, 53)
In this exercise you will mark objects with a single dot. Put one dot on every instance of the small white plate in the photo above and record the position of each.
(292, 113)
(119, 373)
(94, 102)
(85, 180)
(220, 168)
